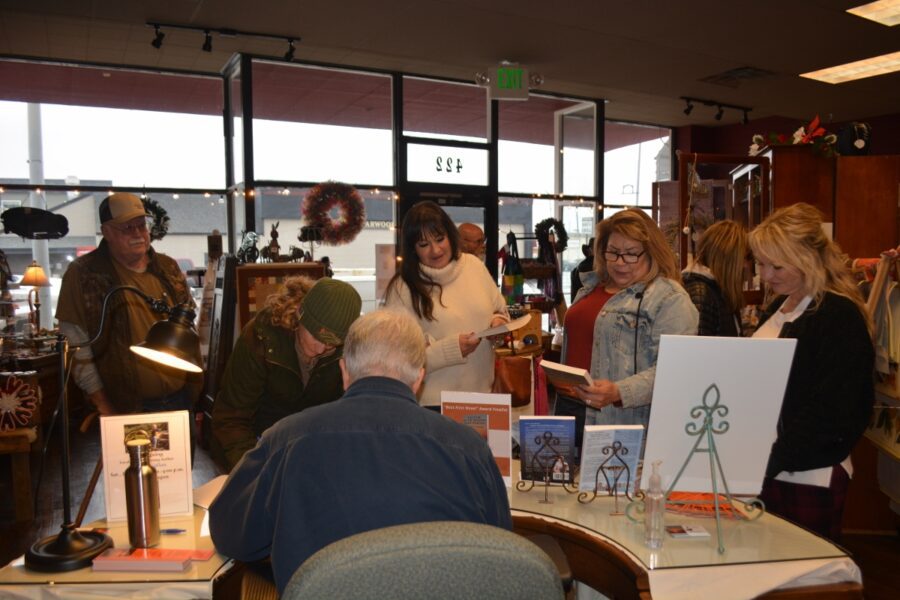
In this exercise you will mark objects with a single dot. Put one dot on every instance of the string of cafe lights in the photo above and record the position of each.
(283, 191)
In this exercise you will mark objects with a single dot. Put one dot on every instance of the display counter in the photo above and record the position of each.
(762, 557)
(203, 579)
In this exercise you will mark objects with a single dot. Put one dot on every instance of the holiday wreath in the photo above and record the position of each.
(542, 232)
(160, 225)
(322, 200)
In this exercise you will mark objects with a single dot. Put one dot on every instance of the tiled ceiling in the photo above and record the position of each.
(639, 56)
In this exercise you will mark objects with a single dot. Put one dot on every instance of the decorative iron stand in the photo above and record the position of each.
(543, 461)
(705, 431)
(613, 470)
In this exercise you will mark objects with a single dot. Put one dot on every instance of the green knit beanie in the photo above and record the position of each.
(328, 310)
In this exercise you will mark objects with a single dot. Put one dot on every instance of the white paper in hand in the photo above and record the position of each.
(505, 328)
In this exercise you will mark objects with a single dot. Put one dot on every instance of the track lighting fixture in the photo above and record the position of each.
(222, 31)
(289, 55)
(158, 38)
(720, 107)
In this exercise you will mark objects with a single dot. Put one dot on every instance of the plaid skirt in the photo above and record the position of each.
(819, 509)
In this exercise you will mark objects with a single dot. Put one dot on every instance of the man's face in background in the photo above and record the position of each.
(471, 239)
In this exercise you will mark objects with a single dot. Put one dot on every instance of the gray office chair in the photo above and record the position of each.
(444, 559)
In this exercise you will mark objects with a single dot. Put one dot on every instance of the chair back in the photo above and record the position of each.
(443, 559)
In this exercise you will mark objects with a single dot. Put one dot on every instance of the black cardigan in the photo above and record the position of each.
(830, 390)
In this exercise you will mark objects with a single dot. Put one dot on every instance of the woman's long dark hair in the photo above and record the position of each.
(424, 218)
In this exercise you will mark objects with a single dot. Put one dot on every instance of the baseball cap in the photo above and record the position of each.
(328, 310)
(120, 208)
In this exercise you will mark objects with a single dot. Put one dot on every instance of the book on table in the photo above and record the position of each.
(563, 375)
(620, 469)
(547, 448)
(149, 559)
(490, 416)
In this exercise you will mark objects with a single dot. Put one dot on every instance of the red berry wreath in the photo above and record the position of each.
(322, 200)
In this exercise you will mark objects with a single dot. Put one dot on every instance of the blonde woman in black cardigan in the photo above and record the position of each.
(830, 388)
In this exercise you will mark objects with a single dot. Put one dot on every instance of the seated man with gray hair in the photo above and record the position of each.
(374, 458)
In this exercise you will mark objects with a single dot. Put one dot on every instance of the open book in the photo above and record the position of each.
(560, 374)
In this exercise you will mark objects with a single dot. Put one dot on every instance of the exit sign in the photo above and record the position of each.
(509, 82)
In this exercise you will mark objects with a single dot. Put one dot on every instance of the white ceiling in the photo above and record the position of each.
(640, 55)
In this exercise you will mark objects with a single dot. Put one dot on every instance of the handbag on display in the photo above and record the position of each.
(512, 375)
(513, 283)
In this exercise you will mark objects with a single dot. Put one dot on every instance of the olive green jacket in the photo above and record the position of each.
(262, 384)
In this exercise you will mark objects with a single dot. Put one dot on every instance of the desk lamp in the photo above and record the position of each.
(36, 278)
(171, 342)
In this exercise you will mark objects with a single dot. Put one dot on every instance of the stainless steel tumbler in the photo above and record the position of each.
(141, 496)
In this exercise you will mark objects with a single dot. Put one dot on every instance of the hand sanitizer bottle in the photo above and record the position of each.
(654, 510)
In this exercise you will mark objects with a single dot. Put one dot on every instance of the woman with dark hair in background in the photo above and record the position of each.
(714, 279)
(452, 295)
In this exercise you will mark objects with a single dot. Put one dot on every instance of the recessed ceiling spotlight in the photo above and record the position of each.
(158, 38)
(289, 55)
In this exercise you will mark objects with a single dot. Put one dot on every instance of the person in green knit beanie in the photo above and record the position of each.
(285, 360)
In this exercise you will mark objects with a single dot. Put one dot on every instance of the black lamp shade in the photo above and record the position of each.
(173, 342)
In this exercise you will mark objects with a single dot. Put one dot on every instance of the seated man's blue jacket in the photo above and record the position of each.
(372, 459)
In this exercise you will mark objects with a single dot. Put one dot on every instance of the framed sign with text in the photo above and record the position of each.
(170, 455)
(446, 164)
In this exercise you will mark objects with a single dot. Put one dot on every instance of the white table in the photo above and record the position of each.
(199, 581)
(608, 553)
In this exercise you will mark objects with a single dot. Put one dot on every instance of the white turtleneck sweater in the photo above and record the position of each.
(469, 301)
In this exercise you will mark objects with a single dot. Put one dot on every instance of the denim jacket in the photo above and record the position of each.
(665, 308)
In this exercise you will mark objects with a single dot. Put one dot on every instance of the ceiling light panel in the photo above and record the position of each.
(886, 12)
(870, 67)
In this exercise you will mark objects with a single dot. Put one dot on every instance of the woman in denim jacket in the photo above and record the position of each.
(633, 296)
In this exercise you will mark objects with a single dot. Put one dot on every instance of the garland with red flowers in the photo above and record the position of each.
(326, 197)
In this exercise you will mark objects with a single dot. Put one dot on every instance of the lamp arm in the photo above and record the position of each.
(158, 305)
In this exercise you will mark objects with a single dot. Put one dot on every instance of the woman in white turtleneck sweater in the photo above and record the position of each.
(452, 295)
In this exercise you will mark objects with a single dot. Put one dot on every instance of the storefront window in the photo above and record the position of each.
(128, 127)
(546, 146)
(442, 109)
(312, 124)
(354, 262)
(636, 156)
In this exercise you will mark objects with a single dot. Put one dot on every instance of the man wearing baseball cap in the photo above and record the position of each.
(113, 379)
(285, 360)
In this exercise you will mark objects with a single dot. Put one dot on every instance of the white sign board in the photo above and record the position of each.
(446, 164)
(170, 455)
(751, 376)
